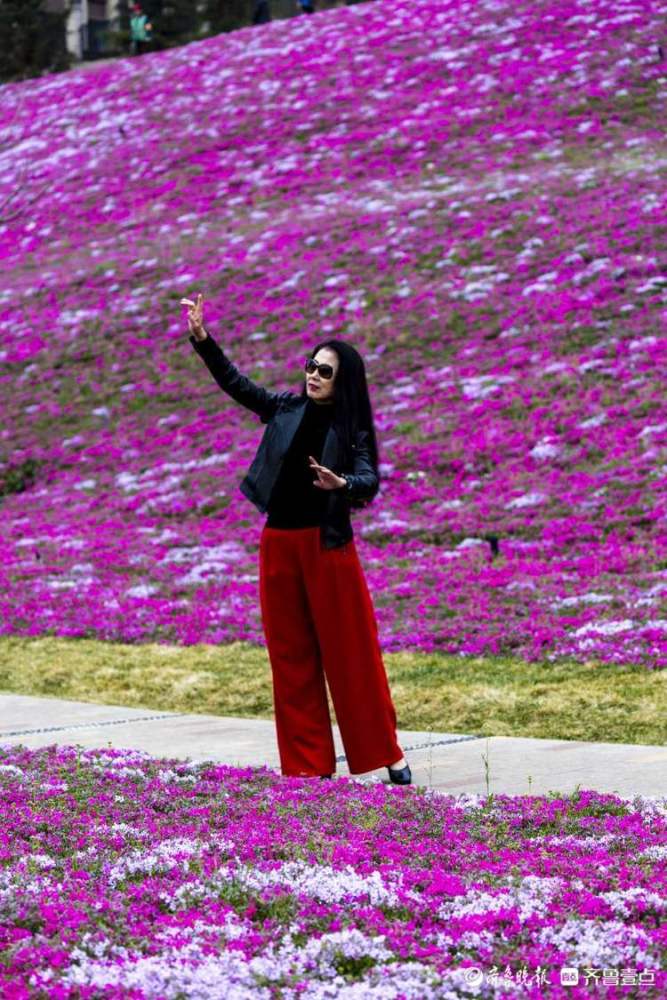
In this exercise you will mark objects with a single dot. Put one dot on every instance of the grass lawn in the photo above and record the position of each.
(492, 697)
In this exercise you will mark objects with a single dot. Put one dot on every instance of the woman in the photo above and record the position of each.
(317, 612)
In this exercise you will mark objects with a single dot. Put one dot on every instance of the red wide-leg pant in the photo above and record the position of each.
(319, 623)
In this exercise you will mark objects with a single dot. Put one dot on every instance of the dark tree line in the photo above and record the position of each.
(32, 40)
(32, 37)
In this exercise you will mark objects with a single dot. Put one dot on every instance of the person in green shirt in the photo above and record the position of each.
(140, 31)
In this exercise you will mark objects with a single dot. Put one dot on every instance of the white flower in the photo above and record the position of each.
(527, 500)
(483, 385)
(593, 421)
(170, 854)
(545, 449)
(622, 902)
(606, 628)
(592, 598)
(651, 428)
(321, 882)
(12, 769)
(600, 945)
(142, 590)
(657, 852)
(532, 895)
(469, 543)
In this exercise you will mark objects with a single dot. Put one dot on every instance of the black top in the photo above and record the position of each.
(294, 501)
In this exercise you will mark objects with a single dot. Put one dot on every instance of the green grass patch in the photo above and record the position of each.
(18, 478)
(495, 696)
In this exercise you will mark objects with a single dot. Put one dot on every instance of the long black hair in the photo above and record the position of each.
(352, 405)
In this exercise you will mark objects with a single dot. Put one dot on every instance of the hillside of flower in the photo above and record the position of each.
(473, 193)
(128, 876)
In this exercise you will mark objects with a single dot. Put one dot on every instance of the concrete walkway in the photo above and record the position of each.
(450, 762)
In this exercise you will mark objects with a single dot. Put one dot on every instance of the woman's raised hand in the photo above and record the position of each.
(196, 317)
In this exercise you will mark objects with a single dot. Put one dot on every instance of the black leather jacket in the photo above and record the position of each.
(282, 413)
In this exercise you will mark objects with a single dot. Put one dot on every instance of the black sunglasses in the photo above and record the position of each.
(311, 366)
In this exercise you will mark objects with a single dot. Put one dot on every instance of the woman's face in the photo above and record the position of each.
(319, 389)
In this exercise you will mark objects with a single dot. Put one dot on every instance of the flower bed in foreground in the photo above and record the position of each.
(126, 875)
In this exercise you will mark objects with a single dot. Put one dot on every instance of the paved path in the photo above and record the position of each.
(450, 762)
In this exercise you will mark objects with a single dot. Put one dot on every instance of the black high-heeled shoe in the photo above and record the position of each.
(402, 776)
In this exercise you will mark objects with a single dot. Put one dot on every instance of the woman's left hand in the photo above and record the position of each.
(326, 479)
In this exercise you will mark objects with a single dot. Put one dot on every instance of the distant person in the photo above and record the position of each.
(140, 31)
(306, 6)
(261, 12)
(317, 459)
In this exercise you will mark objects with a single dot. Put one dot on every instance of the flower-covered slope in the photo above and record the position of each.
(471, 193)
(127, 876)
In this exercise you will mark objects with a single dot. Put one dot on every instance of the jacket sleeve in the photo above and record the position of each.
(242, 389)
(362, 482)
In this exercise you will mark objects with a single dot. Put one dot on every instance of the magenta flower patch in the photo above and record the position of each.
(473, 195)
(123, 875)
